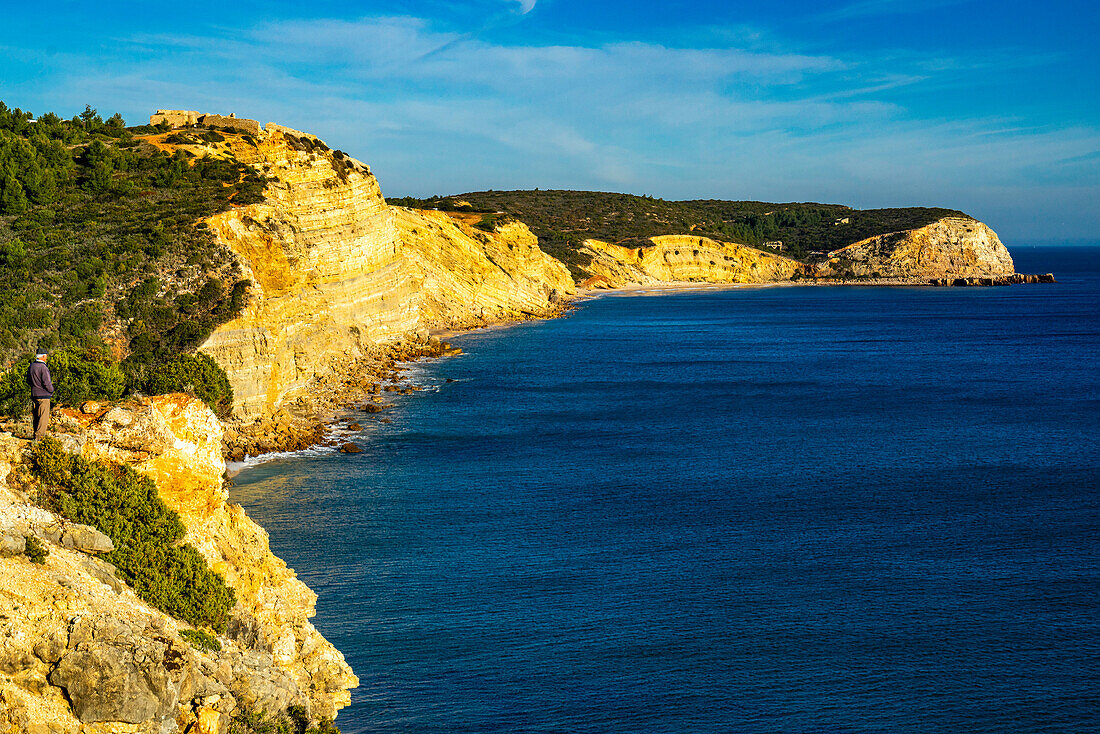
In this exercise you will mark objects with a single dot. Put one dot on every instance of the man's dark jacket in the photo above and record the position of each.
(38, 377)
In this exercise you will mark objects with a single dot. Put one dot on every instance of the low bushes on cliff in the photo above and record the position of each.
(247, 721)
(78, 374)
(101, 235)
(198, 375)
(201, 640)
(147, 534)
(35, 551)
(88, 374)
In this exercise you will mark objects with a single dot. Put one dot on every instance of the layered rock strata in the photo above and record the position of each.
(336, 270)
(81, 652)
(328, 275)
(684, 258)
(466, 276)
(952, 247)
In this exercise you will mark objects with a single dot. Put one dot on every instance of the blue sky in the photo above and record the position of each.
(989, 107)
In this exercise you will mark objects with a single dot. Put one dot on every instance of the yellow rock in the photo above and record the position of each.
(328, 276)
(335, 270)
(208, 721)
(176, 441)
(952, 247)
(685, 258)
(467, 277)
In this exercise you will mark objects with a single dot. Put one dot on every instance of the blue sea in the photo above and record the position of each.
(792, 509)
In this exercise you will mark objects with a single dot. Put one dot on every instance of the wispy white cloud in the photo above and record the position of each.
(436, 111)
(525, 6)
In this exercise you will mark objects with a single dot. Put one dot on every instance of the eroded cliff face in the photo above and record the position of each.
(952, 247)
(77, 646)
(335, 270)
(684, 258)
(465, 276)
(327, 270)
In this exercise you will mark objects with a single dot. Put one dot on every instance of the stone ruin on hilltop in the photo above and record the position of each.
(190, 118)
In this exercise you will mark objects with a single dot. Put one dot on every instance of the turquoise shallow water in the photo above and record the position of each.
(765, 510)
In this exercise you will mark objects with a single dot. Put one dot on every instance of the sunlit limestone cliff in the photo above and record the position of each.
(325, 261)
(684, 258)
(465, 276)
(335, 269)
(80, 652)
(952, 247)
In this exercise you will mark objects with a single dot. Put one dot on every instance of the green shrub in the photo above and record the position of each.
(176, 579)
(35, 551)
(492, 221)
(91, 213)
(201, 640)
(85, 374)
(15, 396)
(77, 374)
(247, 721)
(147, 534)
(197, 375)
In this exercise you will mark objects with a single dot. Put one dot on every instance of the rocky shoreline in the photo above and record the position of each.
(309, 421)
(1015, 279)
(1002, 280)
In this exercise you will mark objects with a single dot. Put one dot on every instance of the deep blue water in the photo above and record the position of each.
(753, 510)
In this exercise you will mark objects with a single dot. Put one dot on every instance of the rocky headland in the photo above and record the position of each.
(344, 286)
(80, 651)
(952, 247)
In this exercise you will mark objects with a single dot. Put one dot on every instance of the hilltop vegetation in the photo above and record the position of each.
(564, 219)
(101, 250)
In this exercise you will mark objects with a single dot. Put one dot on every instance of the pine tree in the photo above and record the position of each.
(13, 200)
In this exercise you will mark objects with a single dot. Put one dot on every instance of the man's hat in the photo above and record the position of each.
(41, 352)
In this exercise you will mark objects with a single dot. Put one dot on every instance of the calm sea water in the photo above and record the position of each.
(755, 510)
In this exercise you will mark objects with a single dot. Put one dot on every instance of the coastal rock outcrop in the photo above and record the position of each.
(1014, 279)
(77, 646)
(684, 258)
(952, 247)
(335, 270)
(328, 276)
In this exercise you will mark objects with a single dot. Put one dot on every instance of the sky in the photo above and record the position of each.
(988, 107)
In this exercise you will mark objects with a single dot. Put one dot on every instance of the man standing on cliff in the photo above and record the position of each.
(38, 379)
